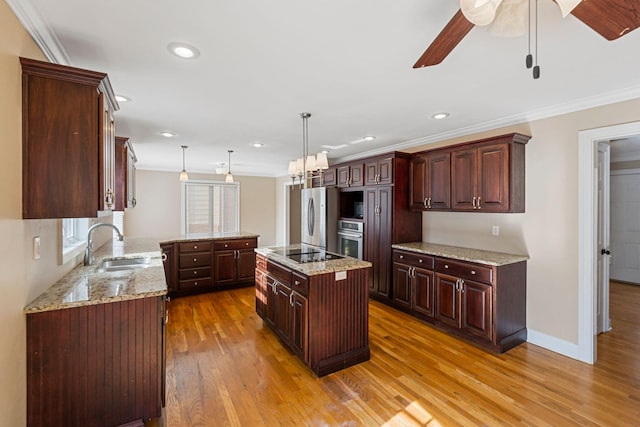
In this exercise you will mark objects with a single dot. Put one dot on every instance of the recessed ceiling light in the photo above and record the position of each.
(184, 50)
(325, 151)
(122, 98)
(167, 134)
(369, 138)
(258, 144)
(439, 116)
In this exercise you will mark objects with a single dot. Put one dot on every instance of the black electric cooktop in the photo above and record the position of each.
(308, 254)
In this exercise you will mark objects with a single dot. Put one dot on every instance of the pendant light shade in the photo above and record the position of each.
(184, 176)
(229, 177)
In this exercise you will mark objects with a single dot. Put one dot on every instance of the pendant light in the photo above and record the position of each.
(184, 176)
(229, 177)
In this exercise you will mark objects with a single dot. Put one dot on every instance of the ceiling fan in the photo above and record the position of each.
(609, 18)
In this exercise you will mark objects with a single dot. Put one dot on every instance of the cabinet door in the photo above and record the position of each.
(447, 300)
(417, 182)
(168, 263)
(343, 176)
(383, 230)
(271, 300)
(402, 284)
(385, 171)
(329, 178)
(464, 179)
(357, 175)
(283, 312)
(299, 333)
(439, 180)
(476, 309)
(371, 173)
(371, 235)
(107, 155)
(224, 267)
(422, 292)
(493, 178)
(131, 180)
(246, 265)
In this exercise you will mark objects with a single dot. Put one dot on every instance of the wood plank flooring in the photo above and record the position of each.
(224, 368)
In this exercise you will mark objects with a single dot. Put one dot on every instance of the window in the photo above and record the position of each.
(210, 207)
(73, 234)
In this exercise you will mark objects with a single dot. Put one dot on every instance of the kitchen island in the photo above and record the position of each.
(95, 341)
(317, 304)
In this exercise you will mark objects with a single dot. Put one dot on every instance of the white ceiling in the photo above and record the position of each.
(348, 63)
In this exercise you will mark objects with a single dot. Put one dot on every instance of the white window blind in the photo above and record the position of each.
(210, 207)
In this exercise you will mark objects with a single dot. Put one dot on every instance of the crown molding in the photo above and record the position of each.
(28, 15)
(580, 104)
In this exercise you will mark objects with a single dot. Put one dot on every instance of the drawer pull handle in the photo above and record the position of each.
(473, 272)
(420, 261)
(446, 266)
(297, 282)
(401, 256)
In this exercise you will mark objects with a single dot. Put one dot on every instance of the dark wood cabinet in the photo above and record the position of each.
(234, 261)
(323, 320)
(488, 176)
(378, 171)
(377, 238)
(329, 178)
(96, 365)
(430, 181)
(350, 175)
(125, 174)
(209, 264)
(68, 141)
(413, 283)
(485, 304)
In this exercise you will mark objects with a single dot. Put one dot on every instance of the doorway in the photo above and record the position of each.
(588, 235)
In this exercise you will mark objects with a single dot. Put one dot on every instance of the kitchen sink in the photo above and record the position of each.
(119, 264)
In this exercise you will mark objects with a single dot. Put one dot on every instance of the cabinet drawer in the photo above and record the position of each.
(195, 273)
(198, 259)
(464, 270)
(300, 284)
(204, 282)
(261, 263)
(235, 244)
(279, 273)
(195, 247)
(414, 259)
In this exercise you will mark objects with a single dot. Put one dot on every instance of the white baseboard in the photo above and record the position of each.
(554, 344)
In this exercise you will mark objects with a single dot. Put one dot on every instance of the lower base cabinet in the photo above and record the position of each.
(482, 303)
(324, 322)
(96, 365)
(197, 266)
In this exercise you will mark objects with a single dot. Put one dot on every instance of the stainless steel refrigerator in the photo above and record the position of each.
(320, 217)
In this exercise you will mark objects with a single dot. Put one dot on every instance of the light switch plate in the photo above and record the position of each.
(36, 247)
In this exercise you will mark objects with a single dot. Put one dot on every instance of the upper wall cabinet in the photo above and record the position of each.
(68, 141)
(479, 176)
(378, 171)
(125, 174)
(489, 175)
(350, 175)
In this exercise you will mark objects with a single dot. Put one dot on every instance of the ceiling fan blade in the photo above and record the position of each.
(609, 18)
(449, 37)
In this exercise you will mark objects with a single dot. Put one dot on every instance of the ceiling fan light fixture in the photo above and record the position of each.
(511, 19)
(566, 6)
(479, 12)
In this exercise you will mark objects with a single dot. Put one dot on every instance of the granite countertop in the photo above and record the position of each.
(86, 286)
(312, 268)
(463, 254)
(210, 236)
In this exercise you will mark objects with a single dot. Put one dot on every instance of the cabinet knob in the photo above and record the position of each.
(195, 246)
(226, 246)
(420, 261)
(296, 282)
(446, 266)
(195, 259)
(195, 283)
(401, 256)
(195, 272)
(246, 244)
(473, 272)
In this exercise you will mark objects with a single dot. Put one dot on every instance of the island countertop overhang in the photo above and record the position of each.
(311, 268)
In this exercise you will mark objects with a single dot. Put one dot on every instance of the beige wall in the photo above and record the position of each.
(157, 213)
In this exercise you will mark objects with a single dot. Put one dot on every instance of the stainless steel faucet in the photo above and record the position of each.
(89, 258)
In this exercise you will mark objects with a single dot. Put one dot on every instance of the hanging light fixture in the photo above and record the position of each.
(229, 177)
(307, 165)
(184, 176)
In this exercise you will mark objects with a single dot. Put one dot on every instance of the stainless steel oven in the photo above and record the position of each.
(350, 238)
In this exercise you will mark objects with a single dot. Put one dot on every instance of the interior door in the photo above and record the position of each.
(625, 226)
(603, 323)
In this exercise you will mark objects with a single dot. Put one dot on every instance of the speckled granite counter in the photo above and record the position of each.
(87, 286)
(210, 236)
(312, 268)
(463, 254)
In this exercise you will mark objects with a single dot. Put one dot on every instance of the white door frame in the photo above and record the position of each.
(587, 231)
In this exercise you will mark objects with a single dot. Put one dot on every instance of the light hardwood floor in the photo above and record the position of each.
(224, 368)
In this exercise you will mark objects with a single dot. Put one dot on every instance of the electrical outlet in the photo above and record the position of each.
(495, 230)
(36, 247)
